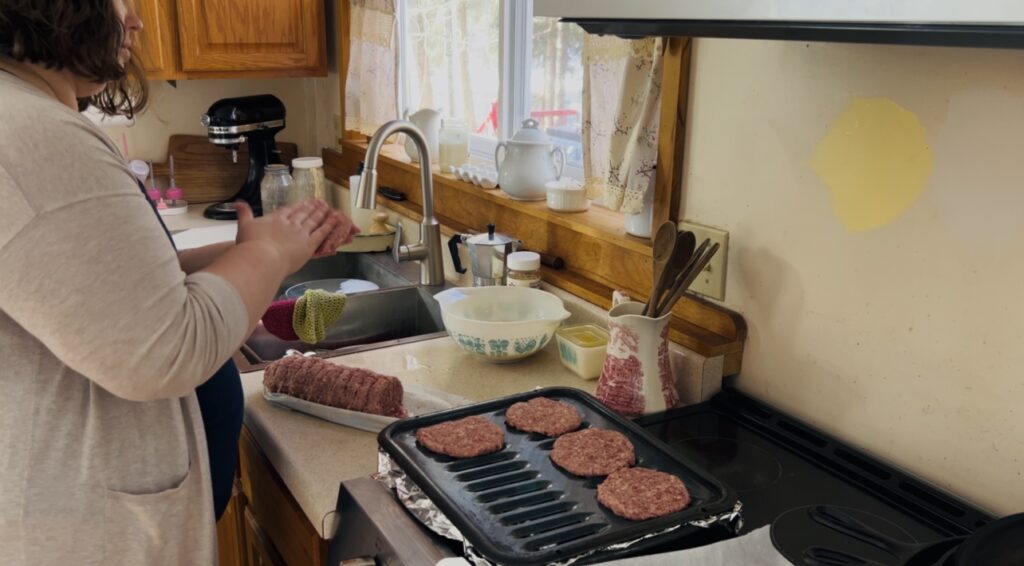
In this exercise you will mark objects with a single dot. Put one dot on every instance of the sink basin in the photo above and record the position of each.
(371, 320)
(376, 268)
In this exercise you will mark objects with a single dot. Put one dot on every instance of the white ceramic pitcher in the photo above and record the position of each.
(529, 163)
(428, 121)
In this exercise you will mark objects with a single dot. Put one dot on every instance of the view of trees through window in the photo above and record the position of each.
(556, 82)
(453, 60)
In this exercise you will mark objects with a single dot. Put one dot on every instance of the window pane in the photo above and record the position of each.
(556, 82)
(452, 59)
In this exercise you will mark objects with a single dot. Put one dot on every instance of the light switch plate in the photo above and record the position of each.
(711, 281)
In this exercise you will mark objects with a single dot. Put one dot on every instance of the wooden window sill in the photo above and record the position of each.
(597, 222)
(599, 255)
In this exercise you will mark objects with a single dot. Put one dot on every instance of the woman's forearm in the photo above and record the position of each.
(255, 271)
(197, 259)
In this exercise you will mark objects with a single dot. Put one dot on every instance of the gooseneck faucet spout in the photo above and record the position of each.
(428, 250)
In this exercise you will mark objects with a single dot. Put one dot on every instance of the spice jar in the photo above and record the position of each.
(524, 269)
(308, 173)
(274, 187)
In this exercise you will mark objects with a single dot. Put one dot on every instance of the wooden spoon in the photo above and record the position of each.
(686, 278)
(664, 244)
(681, 254)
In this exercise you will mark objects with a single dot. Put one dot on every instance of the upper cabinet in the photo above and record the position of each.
(159, 39)
(196, 39)
(231, 35)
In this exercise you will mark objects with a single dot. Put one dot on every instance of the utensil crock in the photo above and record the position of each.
(637, 375)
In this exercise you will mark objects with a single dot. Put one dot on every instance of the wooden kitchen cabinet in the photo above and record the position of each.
(211, 39)
(230, 529)
(158, 46)
(282, 530)
(258, 549)
(242, 35)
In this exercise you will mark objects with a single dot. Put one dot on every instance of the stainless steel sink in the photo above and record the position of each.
(399, 312)
(376, 268)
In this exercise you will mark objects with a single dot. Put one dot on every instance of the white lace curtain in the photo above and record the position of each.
(371, 87)
(621, 100)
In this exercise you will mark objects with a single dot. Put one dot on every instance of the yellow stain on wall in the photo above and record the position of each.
(875, 160)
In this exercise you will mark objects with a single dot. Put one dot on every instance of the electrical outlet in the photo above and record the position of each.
(711, 281)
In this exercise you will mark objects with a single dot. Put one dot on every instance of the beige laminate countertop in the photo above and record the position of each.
(314, 456)
(193, 218)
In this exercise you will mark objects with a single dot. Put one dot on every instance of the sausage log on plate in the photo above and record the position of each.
(317, 381)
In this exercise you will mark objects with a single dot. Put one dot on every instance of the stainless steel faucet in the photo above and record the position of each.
(428, 250)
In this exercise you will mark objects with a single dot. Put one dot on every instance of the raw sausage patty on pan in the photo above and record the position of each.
(543, 415)
(463, 438)
(642, 493)
(593, 452)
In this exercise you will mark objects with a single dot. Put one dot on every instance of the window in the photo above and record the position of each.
(455, 71)
(493, 66)
(556, 81)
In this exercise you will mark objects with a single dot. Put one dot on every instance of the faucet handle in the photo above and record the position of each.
(407, 252)
(453, 249)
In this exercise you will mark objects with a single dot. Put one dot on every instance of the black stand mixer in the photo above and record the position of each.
(253, 119)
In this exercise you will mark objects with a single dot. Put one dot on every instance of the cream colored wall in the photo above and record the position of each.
(906, 339)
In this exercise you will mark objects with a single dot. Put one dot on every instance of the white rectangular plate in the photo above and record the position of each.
(417, 400)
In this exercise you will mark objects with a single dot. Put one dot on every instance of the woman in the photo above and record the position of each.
(105, 332)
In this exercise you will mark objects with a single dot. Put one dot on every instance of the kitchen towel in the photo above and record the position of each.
(315, 312)
(752, 549)
(306, 318)
(278, 319)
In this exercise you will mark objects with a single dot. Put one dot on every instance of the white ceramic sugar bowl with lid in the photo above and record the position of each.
(529, 162)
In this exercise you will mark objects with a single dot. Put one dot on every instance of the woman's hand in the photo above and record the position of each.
(292, 234)
(342, 234)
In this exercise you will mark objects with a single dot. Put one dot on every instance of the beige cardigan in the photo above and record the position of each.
(103, 340)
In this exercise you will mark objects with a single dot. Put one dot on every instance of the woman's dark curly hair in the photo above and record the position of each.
(82, 36)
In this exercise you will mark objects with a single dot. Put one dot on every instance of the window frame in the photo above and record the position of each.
(515, 48)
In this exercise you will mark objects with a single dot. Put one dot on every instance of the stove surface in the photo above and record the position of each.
(777, 463)
(778, 466)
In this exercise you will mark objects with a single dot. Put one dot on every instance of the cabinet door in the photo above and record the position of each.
(252, 35)
(229, 532)
(259, 551)
(158, 41)
(282, 522)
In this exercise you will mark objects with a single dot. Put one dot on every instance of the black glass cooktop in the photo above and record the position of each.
(777, 463)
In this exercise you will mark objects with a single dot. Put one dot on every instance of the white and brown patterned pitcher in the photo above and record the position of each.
(637, 375)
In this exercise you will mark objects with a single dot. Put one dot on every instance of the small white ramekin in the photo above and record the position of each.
(566, 195)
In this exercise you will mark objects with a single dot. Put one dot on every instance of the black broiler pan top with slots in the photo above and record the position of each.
(515, 506)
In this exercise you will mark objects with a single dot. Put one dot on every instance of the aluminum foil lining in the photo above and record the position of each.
(417, 502)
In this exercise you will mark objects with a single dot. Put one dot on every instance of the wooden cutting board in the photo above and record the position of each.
(205, 172)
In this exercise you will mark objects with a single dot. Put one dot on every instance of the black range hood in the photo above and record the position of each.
(898, 34)
(959, 23)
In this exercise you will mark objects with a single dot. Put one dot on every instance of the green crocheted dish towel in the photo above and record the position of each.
(315, 312)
